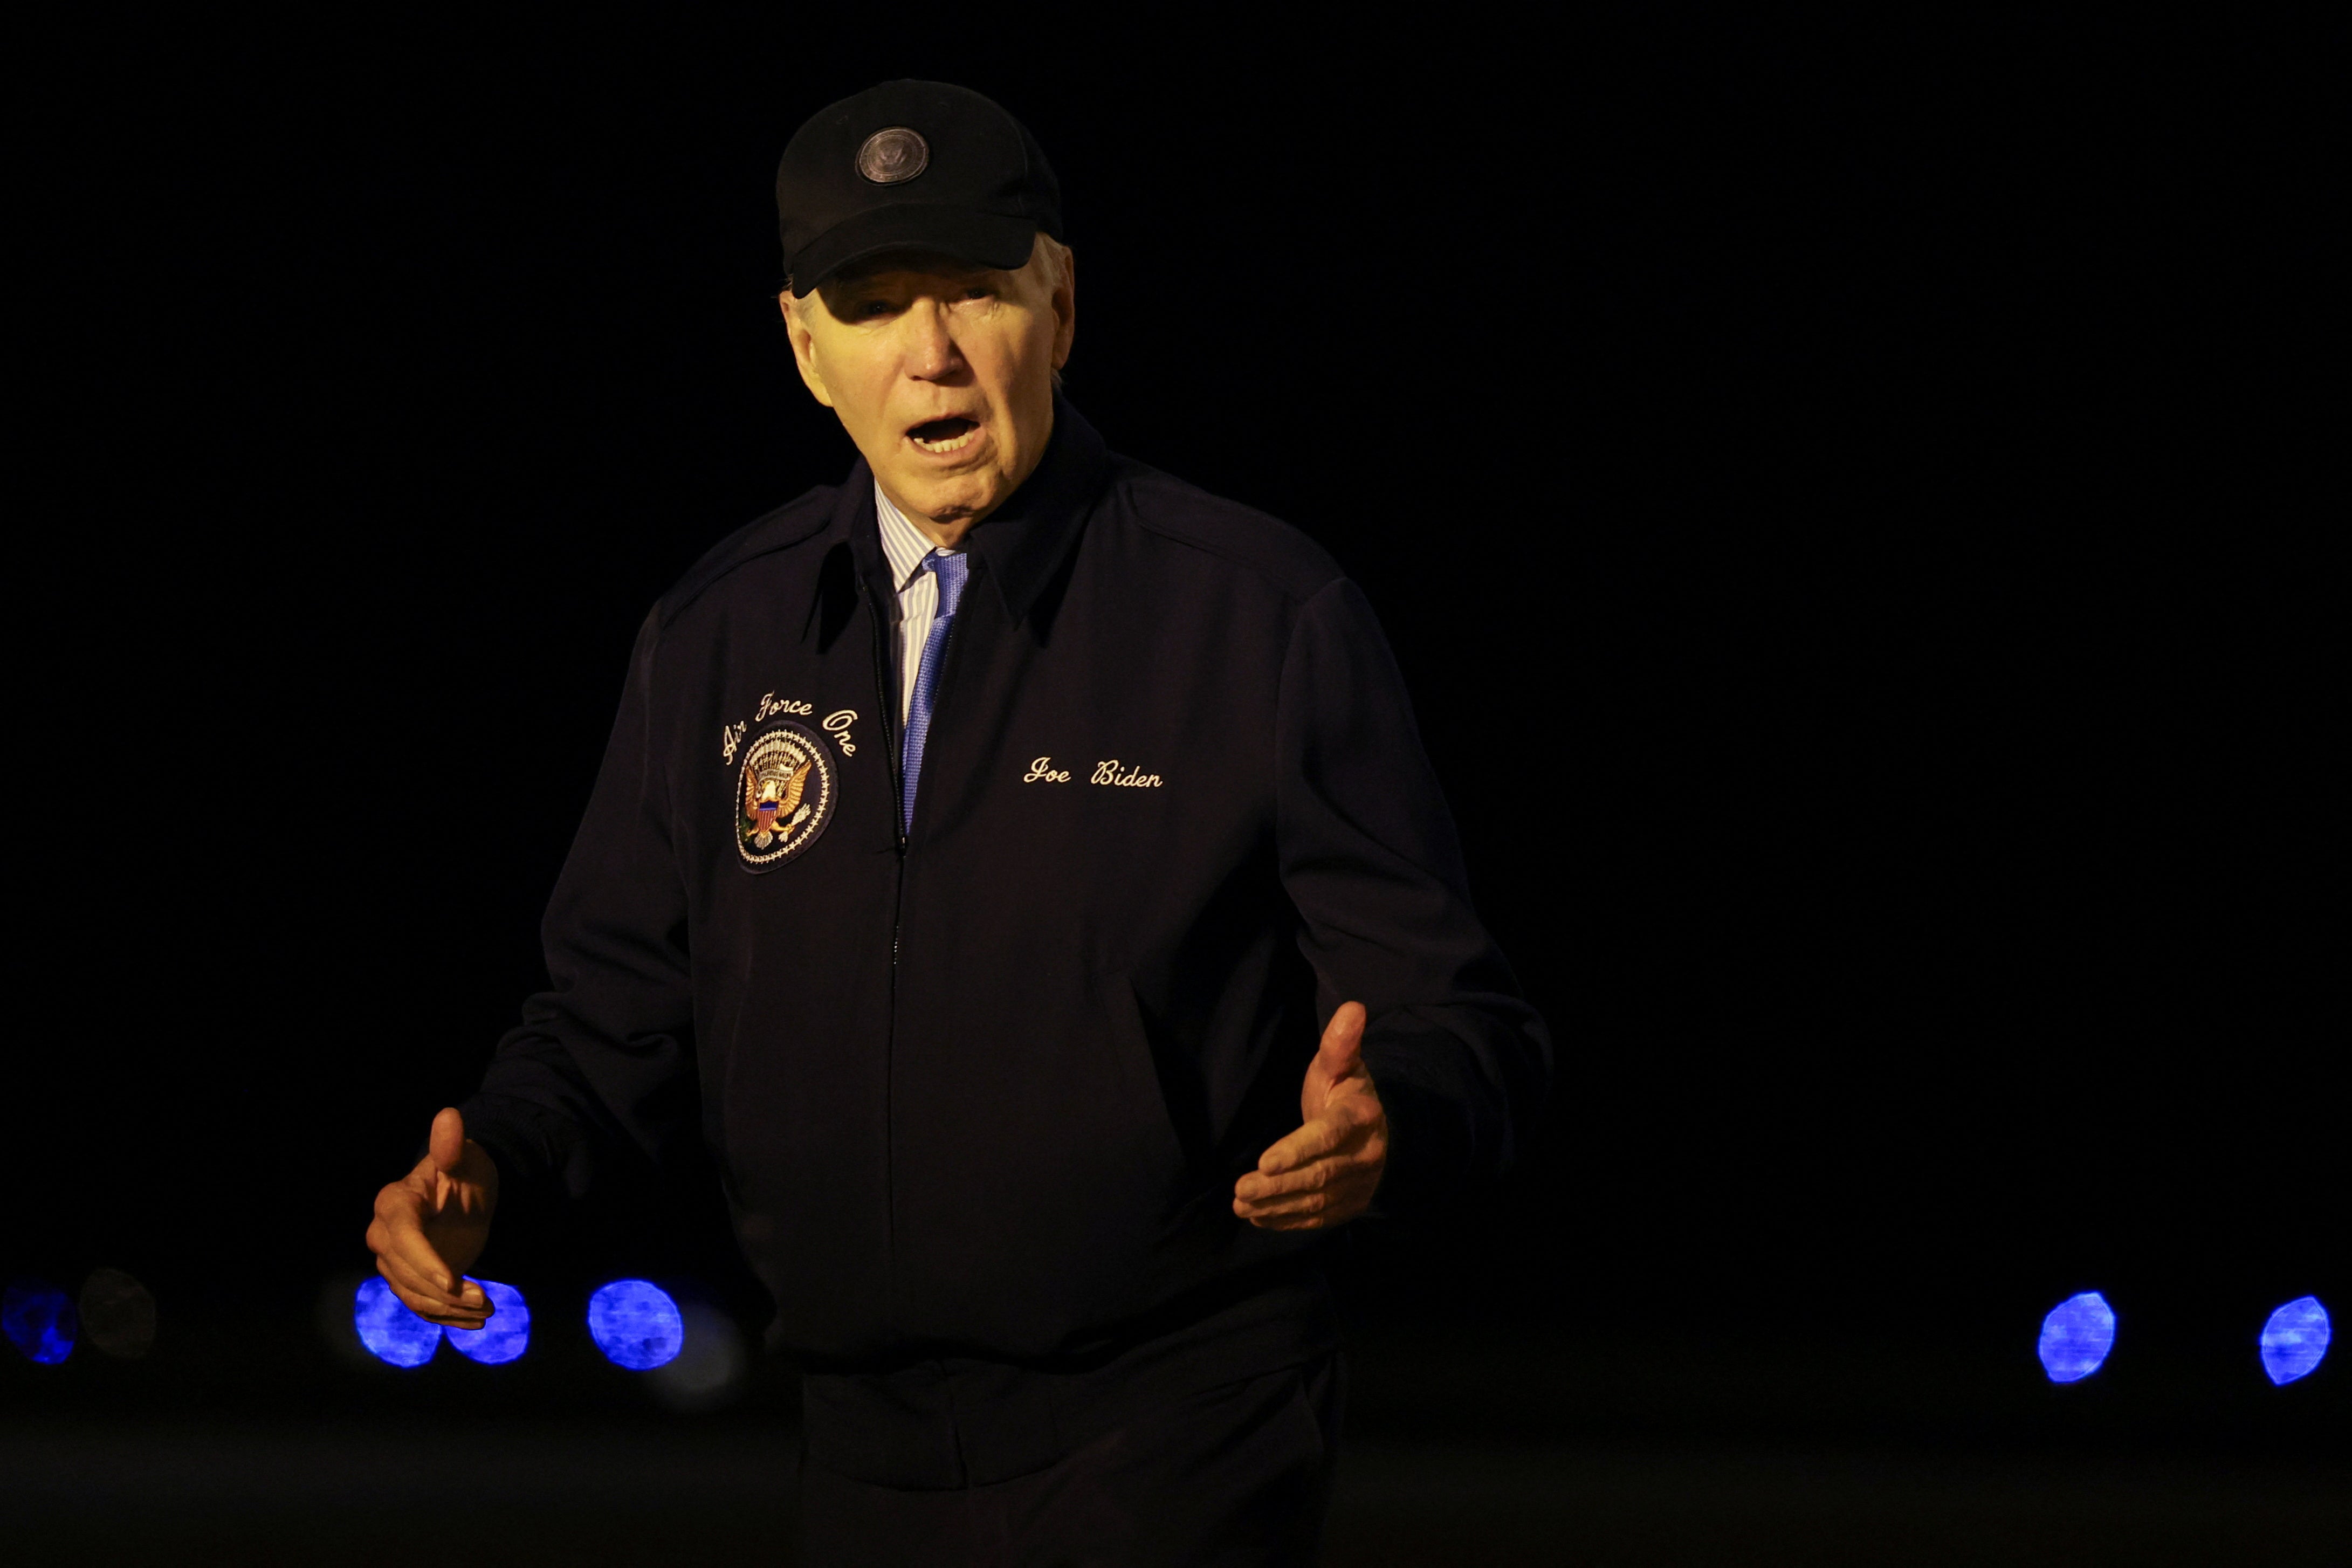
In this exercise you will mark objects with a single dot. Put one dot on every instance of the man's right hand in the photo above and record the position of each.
(431, 1225)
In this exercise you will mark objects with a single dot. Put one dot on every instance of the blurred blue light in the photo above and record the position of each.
(508, 1333)
(389, 1330)
(2294, 1341)
(636, 1324)
(39, 1320)
(2076, 1337)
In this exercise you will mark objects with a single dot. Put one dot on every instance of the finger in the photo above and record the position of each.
(1356, 1150)
(1341, 1052)
(1337, 1207)
(428, 1307)
(405, 1269)
(425, 1301)
(396, 1234)
(1259, 1187)
(1310, 1143)
(1343, 1118)
(448, 1144)
(1290, 1205)
(420, 1293)
(1313, 1140)
(1345, 1195)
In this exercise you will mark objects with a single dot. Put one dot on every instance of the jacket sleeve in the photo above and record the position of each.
(601, 1068)
(1370, 858)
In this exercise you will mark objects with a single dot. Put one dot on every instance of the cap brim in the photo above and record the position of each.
(983, 239)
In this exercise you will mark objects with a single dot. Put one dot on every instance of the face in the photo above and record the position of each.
(942, 373)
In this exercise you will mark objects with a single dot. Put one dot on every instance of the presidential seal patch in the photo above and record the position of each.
(893, 156)
(785, 797)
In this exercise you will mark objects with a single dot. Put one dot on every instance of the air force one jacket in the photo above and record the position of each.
(989, 1087)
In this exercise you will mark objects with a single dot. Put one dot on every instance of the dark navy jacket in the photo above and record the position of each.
(986, 1091)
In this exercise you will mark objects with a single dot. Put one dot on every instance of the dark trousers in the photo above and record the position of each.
(1234, 1477)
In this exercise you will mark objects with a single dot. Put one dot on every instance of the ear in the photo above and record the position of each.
(1066, 308)
(796, 327)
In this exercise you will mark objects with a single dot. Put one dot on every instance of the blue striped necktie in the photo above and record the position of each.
(951, 572)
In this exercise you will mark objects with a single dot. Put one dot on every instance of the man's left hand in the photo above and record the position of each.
(1326, 1172)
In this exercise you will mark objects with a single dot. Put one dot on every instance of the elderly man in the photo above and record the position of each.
(1021, 872)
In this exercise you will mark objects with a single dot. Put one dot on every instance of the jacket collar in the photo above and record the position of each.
(1024, 540)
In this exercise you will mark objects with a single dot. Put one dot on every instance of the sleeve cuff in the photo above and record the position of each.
(1432, 1149)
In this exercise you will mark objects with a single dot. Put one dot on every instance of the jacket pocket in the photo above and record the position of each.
(1158, 1087)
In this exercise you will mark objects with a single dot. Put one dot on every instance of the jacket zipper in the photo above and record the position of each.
(886, 631)
(885, 627)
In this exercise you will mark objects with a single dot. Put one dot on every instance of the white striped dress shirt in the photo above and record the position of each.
(906, 547)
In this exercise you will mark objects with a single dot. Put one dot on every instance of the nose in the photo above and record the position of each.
(932, 354)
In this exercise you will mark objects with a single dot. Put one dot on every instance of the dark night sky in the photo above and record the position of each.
(1909, 801)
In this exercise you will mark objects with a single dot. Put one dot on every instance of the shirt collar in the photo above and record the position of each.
(904, 545)
(1025, 540)
(1022, 544)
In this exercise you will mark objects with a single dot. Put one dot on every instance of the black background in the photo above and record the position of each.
(1855, 505)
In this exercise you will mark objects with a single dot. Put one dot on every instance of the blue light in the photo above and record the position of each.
(636, 1324)
(2076, 1337)
(389, 1330)
(39, 1320)
(2294, 1341)
(508, 1333)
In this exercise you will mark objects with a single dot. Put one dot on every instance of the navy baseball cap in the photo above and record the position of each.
(912, 166)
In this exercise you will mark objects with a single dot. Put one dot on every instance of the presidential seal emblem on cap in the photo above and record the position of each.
(785, 797)
(893, 155)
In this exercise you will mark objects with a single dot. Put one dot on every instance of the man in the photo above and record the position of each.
(1021, 872)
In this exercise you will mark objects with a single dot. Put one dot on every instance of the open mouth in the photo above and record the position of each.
(947, 435)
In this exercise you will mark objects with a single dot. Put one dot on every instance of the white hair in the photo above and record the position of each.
(1057, 255)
